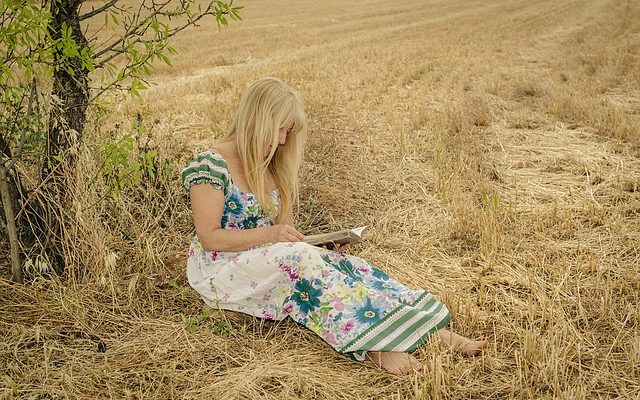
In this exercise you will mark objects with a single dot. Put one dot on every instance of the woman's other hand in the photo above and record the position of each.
(284, 233)
(337, 247)
(341, 248)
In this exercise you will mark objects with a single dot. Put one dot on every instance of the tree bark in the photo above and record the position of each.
(65, 129)
(13, 180)
(10, 217)
(66, 123)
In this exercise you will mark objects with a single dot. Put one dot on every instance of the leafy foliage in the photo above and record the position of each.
(50, 73)
(125, 164)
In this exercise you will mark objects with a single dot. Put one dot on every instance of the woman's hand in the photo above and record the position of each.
(341, 248)
(337, 247)
(283, 233)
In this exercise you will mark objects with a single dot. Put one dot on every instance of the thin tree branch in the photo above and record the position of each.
(192, 22)
(108, 87)
(129, 66)
(97, 11)
(170, 33)
(23, 134)
(16, 116)
(117, 52)
(10, 217)
(132, 30)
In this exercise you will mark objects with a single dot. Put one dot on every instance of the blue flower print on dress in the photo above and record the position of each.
(383, 286)
(250, 222)
(306, 296)
(343, 265)
(225, 219)
(368, 314)
(233, 204)
(379, 274)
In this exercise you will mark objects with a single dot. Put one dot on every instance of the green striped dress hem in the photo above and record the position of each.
(403, 329)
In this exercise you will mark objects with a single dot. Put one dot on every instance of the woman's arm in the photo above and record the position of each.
(207, 205)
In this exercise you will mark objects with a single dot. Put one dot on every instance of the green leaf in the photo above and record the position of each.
(324, 310)
(164, 58)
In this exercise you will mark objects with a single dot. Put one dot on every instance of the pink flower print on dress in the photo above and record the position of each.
(328, 336)
(264, 252)
(337, 303)
(225, 297)
(347, 326)
(254, 284)
(214, 255)
(288, 308)
(325, 273)
(192, 252)
(291, 271)
(267, 315)
(266, 296)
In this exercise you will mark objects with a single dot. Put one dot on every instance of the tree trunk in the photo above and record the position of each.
(10, 219)
(11, 193)
(13, 180)
(65, 128)
(66, 124)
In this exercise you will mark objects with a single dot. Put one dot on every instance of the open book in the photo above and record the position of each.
(350, 236)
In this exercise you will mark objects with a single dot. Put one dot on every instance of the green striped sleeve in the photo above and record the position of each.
(206, 168)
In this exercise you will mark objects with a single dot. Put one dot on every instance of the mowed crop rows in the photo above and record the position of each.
(492, 148)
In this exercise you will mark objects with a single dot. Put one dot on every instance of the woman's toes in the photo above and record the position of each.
(396, 363)
(473, 348)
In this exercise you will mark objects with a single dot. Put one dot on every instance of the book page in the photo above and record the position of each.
(344, 236)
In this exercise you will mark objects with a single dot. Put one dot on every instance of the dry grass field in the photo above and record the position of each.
(493, 147)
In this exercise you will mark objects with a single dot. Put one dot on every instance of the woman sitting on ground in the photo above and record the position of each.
(247, 256)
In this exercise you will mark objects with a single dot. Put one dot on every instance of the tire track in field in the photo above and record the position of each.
(345, 36)
(559, 164)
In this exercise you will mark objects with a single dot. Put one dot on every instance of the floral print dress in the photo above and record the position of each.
(349, 303)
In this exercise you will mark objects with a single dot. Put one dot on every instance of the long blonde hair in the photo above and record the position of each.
(265, 107)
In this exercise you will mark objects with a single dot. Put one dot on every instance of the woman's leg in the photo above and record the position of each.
(345, 303)
(404, 363)
(375, 278)
(359, 309)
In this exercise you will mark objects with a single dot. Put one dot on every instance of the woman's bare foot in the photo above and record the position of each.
(465, 346)
(395, 362)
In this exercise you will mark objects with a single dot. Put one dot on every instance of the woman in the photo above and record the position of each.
(247, 257)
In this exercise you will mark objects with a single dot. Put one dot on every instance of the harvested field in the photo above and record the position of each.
(493, 147)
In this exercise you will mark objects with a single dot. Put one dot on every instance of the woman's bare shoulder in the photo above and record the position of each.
(225, 149)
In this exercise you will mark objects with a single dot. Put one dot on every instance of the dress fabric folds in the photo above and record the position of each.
(352, 305)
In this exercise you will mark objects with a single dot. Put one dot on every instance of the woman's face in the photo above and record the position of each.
(282, 137)
(282, 134)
